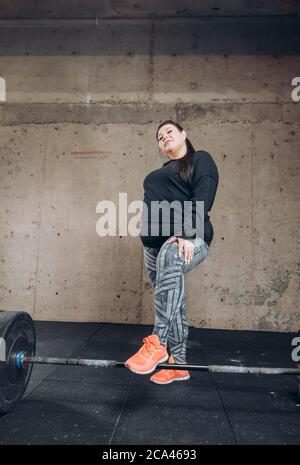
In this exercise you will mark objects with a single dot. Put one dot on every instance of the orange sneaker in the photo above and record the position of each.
(168, 376)
(150, 354)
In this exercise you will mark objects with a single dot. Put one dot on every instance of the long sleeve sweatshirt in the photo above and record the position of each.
(166, 184)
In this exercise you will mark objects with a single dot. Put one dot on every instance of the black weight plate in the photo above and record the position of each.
(17, 329)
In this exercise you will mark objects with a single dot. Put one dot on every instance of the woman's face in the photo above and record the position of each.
(170, 140)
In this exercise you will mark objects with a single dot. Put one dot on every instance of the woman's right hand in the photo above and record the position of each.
(185, 247)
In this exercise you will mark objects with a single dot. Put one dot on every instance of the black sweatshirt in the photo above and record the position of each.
(167, 184)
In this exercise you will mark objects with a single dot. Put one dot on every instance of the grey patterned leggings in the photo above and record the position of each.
(166, 272)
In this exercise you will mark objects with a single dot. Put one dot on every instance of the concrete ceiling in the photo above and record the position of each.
(86, 9)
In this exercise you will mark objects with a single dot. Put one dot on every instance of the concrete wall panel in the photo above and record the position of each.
(82, 276)
(21, 180)
(276, 219)
(109, 62)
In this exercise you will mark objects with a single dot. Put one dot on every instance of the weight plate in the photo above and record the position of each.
(17, 329)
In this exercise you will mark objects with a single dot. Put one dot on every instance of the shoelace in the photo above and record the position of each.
(148, 348)
(169, 372)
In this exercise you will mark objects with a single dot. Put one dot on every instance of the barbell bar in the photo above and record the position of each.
(22, 359)
(17, 357)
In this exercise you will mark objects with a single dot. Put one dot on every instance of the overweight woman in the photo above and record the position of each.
(187, 175)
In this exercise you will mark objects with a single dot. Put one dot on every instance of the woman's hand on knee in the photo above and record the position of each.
(185, 247)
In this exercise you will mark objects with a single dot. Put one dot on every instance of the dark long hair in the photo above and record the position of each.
(184, 163)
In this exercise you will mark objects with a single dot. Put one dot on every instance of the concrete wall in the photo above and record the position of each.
(112, 9)
(83, 104)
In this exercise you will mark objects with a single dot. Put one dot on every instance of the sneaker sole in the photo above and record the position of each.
(164, 359)
(172, 380)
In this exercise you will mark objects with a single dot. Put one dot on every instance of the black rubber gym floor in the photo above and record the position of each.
(85, 405)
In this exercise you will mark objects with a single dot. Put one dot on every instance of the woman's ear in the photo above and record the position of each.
(183, 133)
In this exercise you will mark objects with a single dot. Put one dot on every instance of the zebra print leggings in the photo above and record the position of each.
(166, 271)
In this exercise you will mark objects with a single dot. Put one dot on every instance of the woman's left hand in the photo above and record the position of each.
(184, 246)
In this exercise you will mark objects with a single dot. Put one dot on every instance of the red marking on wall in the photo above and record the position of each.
(290, 6)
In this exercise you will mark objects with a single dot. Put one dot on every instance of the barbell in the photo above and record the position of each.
(17, 357)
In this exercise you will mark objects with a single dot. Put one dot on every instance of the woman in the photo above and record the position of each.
(188, 175)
